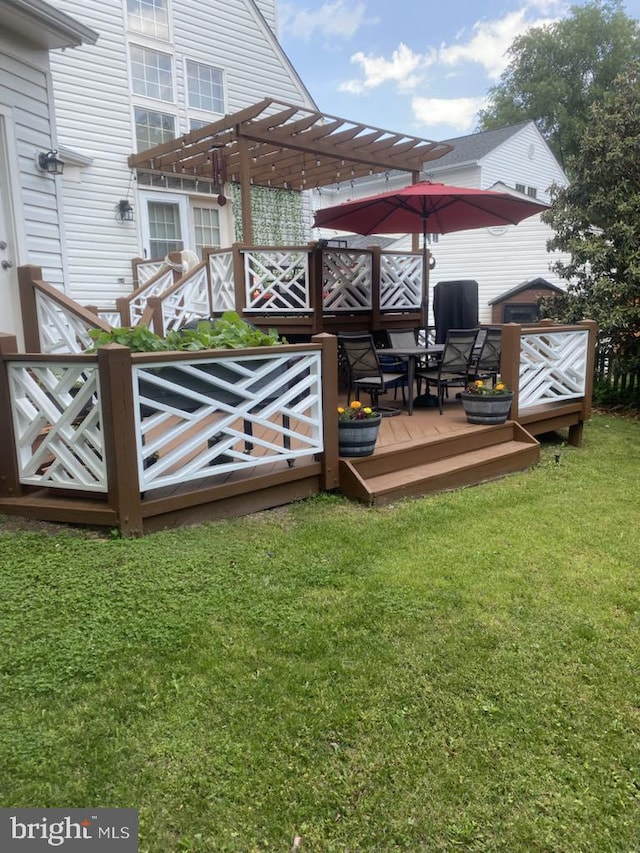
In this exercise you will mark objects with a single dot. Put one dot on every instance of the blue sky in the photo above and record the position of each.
(415, 66)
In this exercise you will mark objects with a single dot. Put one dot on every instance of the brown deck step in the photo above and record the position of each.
(448, 463)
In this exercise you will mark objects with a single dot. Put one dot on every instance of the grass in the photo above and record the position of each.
(453, 673)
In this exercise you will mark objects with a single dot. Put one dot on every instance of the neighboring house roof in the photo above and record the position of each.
(475, 146)
(534, 284)
(43, 25)
(357, 241)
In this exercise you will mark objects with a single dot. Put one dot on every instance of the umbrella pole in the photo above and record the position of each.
(425, 279)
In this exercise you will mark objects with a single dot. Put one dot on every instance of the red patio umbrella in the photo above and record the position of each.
(428, 208)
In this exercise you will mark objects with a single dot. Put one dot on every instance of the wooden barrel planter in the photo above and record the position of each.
(358, 438)
(486, 408)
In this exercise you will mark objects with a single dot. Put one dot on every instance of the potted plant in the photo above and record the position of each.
(487, 404)
(358, 428)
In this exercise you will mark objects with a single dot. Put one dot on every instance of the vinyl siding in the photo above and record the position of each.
(499, 261)
(26, 91)
(94, 113)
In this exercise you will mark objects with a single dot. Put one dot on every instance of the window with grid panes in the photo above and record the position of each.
(206, 225)
(205, 88)
(150, 17)
(152, 128)
(165, 233)
(151, 74)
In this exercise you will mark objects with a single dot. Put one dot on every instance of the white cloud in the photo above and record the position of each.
(490, 40)
(459, 113)
(403, 68)
(338, 19)
(486, 45)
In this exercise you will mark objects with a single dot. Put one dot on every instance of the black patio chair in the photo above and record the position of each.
(365, 371)
(455, 365)
(485, 363)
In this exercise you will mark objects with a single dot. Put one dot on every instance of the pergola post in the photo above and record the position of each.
(245, 190)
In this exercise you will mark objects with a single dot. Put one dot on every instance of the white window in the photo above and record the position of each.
(206, 227)
(197, 123)
(163, 221)
(152, 128)
(151, 74)
(150, 17)
(521, 188)
(205, 88)
(532, 191)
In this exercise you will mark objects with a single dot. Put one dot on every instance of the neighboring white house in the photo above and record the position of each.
(29, 195)
(497, 258)
(159, 69)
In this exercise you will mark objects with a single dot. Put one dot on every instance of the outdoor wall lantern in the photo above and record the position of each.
(50, 162)
(124, 210)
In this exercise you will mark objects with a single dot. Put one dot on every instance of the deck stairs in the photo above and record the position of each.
(436, 465)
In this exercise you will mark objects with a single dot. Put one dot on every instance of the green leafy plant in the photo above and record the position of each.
(481, 389)
(356, 412)
(230, 331)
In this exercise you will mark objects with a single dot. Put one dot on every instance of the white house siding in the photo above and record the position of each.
(25, 91)
(94, 112)
(524, 159)
(499, 259)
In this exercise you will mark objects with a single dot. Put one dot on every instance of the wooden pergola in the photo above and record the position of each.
(276, 144)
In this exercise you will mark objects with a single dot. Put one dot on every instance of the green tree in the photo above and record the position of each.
(556, 72)
(597, 221)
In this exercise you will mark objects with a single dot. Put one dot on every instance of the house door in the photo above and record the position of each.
(164, 219)
(10, 227)
(173, 222)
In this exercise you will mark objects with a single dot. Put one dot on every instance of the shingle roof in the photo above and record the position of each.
(533, 284)
(475, 146)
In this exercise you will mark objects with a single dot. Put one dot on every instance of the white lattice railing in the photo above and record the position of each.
(553, 367)
(346, 280)
(277, 280)
(138, 303)
(223, 297)
(215, 416)
(113, 318)
(57, 424)
(187, 300)
(60, 330)
(400, 282)
(146, 270)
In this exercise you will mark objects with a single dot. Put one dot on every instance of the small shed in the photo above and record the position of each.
(519, 304)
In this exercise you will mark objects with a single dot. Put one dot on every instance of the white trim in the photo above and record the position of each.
(11, 176)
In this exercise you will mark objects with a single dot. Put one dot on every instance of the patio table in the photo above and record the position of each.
(412, 354)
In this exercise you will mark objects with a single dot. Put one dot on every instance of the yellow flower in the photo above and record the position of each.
(341, 410)
(499, 386)
(367, 410)
(356, 404)
(479, 383)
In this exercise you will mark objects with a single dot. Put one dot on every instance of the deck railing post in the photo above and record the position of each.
(9, 477)
(120, 444)
(123, 306)
(27, 275)
(510, 363)
(330, 469)
(154, 305)
(376, 262)
(575, 431)
(316, 290)
(238, 277)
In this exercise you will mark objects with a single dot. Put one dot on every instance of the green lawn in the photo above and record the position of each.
(460, 672)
